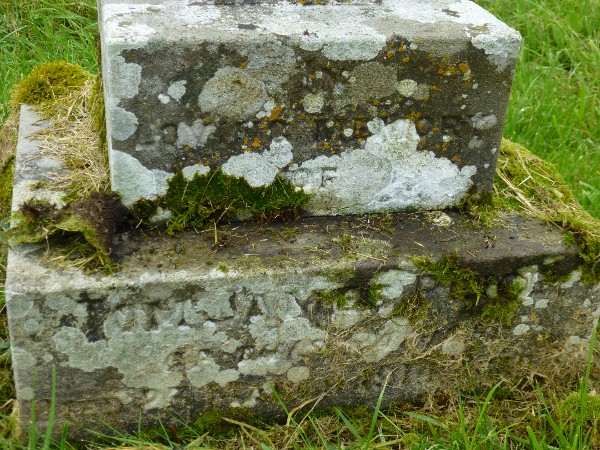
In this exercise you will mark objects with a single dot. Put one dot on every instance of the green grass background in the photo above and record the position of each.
(554, 111)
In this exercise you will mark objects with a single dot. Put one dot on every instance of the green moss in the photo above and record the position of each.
(211, 198)
(335, 297)
(47, 82)
(215, 424)
(89, 225)
(374, 294)
(570, 408)
(413, 308)
(500, 311)
(6, 184)
(463, 282)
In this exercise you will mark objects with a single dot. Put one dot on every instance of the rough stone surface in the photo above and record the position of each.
(326, 305)
(372, 100)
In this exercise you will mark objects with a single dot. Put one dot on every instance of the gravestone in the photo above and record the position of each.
(368, 106)
(352, 102)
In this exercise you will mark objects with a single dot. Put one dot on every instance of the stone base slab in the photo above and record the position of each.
(371, 106)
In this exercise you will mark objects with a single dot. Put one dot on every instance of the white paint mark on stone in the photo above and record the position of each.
(164, 99)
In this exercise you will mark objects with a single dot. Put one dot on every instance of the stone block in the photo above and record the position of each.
(367, 106)
(326, 307)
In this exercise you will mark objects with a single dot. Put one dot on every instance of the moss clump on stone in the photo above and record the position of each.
(89, 224)
(213, 197)
(463, 282)
(500, 310)
(6, 183)
(335, 297)
(48, 82)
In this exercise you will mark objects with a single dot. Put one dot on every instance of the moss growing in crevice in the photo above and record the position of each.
(463, 282)
(336, 297)
(214, 197)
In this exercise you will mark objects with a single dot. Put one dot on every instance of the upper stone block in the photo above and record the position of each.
(368, 106)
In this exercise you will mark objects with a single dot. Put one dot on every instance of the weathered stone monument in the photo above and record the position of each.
(365, 107)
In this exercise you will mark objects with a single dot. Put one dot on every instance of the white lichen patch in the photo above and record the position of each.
(574, 277)
(407, 87)
(521, 329)
(123, 123)
(375, 346)
(313, 103)
(189, 171)
(177, 89)
(261, 169)
(233, 93)
(193, 135)
(394, 175)
(134, 181)
(393, 283)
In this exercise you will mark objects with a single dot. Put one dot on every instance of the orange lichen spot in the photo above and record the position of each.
(243, 64)
(312, 76)
(325, 145)
(405, 59)
(455, 159)
(275, 112)
(256, 143)
(187, 148)
(447, 70)
(390, 54)
(436, 130)
(376, 102)
(434, 88)
(414, 115)
(420, 125)
(359, 139)
(464, 67)
(401, 48)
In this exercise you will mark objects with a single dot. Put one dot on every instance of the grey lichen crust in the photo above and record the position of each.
(285, 88)
(327, 305)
